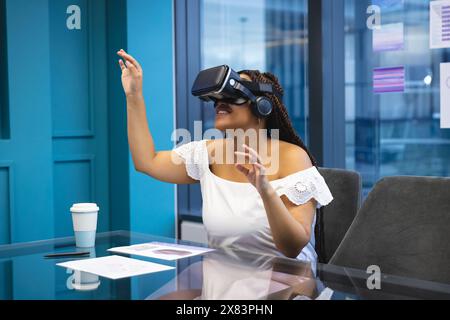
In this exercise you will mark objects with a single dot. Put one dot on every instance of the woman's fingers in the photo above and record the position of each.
(122, 65)
(123, 55)
(243, 154)
(130, 65)
(254, 171)
(253, 153)
(257, 169)
(129, 58)
(248, 156)
(242, 169)
(132, 68)
(261, 169)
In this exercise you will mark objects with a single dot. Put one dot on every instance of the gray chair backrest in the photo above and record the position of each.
(404, 228)
(337, 217)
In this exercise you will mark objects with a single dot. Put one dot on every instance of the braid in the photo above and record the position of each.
(279, 119)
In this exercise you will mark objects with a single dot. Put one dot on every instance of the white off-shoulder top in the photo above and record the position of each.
(233, 213)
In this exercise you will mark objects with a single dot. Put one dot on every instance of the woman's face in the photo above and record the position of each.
(230, 116)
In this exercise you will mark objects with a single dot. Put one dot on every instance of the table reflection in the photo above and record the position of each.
(233, 275)
(83, 281)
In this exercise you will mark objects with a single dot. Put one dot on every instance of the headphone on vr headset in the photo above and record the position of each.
(224, 83)
(261, 106)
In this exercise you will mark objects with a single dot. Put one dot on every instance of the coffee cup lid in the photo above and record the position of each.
(84, 207)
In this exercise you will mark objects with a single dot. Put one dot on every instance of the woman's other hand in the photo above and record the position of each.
(256, 175)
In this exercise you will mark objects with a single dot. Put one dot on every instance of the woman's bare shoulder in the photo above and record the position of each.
(293, 158)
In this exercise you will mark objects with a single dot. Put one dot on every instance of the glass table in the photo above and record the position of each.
(218, 275)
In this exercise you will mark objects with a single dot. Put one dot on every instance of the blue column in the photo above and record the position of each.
(150, 40)
(119, 178)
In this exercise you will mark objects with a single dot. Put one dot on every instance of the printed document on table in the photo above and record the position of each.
(115, 267)
(162, 251)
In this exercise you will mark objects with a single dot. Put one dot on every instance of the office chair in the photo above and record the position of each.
(345, 186)
(404, 228)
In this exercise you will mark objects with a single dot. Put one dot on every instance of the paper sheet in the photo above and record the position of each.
(115, 267)
(440, 24)
(445, 95)
(390, 37)
(163, 251)
(388, 80)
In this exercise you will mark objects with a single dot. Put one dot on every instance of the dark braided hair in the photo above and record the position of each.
(279, 119)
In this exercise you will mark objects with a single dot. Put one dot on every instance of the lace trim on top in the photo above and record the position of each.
(303, 186)
(193, 156)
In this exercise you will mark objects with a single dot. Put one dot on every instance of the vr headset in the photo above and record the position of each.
(223, 84)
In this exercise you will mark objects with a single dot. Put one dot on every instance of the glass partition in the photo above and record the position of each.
(393, 108)
(268, 35)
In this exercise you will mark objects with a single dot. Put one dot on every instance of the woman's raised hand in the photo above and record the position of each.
(132, 74)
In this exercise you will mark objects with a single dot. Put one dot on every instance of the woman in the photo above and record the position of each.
(243, 208)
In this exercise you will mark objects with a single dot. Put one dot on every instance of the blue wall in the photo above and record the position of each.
(150, 40)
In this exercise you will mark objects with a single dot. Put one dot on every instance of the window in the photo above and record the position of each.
(393, 130)
(268, 35)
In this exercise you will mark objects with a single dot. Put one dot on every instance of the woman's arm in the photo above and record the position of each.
(290, 224)
(159, 165)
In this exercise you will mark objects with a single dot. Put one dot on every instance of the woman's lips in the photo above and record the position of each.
(223, 111)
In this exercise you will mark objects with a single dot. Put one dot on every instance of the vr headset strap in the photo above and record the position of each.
(245, 90)
(256, 88)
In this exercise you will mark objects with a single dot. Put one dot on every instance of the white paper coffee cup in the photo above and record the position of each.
(84, 218)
